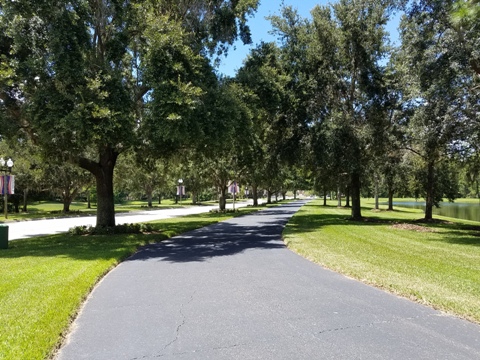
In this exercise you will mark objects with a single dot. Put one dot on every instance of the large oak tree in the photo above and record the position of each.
(81, 77)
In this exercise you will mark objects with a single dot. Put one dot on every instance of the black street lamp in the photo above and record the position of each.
(5, 169)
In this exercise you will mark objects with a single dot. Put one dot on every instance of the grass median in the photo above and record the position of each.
(437, 263)
(45, 280)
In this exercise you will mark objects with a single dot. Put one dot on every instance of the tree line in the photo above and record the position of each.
(333, 105)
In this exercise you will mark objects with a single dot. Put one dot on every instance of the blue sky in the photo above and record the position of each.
(260, 28)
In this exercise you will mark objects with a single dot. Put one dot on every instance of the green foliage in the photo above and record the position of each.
(142, 174)
(446, 181)
(29, 167)
(263, 82)
(466, 12)
(118, 229)
(433, 69)
(224, 211)
(347, 86)
(89, 80)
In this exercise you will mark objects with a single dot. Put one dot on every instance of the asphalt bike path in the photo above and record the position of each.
(234, 291)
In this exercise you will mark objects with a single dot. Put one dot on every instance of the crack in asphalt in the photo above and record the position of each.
(182, 323)
(191, 352)
(372, 324)
(228, 347)
(293, 336)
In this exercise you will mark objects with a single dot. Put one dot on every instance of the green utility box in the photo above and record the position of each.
(3, 237)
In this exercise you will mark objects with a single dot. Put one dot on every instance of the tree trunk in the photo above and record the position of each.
(89, 203)
(159, 199)
(347, 197)
(103, 172)
(15, 200)
(67, 200)
(478, 192)
(430, 190)
(269, 197)
(390, 200)
(294, 194)
(66, 204)
(355, 190)
(339, 197)
(222, 201)
(105, 199)
(276, 196)
(376, 192)
(25, 194)
(150, 198)
(324, 198)
(255, 195)
(194, 197)
(284, 195)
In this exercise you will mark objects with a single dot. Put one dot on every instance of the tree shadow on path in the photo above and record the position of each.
(223, 239)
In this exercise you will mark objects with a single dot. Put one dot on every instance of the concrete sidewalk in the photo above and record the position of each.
(234, 291)
(26, 229)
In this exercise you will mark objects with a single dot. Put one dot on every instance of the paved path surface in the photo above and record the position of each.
(26, 229)
(233, 291)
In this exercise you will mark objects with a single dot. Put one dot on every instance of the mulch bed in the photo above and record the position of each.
(413, 227)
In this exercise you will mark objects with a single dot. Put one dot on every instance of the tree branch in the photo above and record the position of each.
(87, 164)
(142, 90)
(415, 152)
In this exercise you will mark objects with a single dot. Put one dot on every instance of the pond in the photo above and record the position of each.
(459, 210)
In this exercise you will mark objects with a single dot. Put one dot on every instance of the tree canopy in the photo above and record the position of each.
(332, 101)
(87, 80)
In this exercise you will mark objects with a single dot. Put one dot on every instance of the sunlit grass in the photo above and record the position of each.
(44, 280)
(439, 266)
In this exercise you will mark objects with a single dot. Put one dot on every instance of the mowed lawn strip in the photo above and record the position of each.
(436, 264)
(44, 280)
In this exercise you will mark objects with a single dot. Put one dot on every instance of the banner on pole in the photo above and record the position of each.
(10, 184)
(181, 190)
(234, 188)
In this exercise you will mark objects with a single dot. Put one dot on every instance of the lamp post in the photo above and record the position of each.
(180, 188)
(234, 188)
(8, 168)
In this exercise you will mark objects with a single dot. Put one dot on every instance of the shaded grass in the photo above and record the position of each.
(440, 268)
(45, 280)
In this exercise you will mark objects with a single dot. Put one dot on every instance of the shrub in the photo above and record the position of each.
(118, 229)
(226, 211)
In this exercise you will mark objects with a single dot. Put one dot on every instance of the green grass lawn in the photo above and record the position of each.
(44, 280)
(437, 264)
